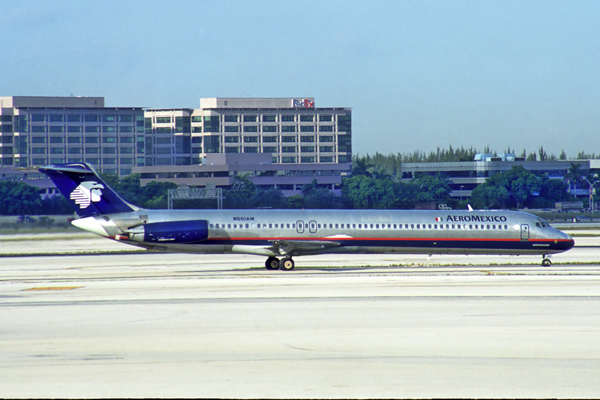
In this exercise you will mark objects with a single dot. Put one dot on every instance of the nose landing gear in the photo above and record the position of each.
(546, 261)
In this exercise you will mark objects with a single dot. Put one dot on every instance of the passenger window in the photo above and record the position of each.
(371, 226)
(211, 225)
(412, 226)
(394, 226)
(270, 226)
(406, 226)
(488, 227)
(359, 226)
(336, 226)
(429, 226)
(418, 226)
(353, 226)
(229, 226)
(435, 226)
(330, 226)
(377, 226)
(319, 226)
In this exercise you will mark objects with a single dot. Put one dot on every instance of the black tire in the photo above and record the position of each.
(272, 263)
(546, 262)
(287, 264)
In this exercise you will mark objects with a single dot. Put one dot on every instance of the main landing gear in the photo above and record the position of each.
(285, 264)
(546, 261)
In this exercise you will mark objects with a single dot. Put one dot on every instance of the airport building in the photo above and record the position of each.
(291, 130)
(36, 131)
(222, 171)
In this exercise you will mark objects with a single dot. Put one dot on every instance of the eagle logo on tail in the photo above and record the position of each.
(86, 193)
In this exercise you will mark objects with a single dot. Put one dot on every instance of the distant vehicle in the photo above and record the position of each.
(280, 235)
(25, 219)
(444, 207)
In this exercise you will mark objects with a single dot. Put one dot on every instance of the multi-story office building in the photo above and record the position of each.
(292, 130)
(35, 131)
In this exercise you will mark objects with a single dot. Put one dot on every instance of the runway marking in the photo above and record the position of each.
(53, 288)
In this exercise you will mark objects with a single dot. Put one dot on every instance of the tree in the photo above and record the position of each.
(18, 198)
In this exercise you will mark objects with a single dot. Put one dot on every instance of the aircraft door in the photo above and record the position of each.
(524, 232)
(300, 226)
(312, 226)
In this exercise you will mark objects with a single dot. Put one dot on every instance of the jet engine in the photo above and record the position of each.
(170, 232)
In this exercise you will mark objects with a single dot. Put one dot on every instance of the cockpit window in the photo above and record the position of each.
(541, 223)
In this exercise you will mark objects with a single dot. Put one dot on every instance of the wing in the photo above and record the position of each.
(290, 247)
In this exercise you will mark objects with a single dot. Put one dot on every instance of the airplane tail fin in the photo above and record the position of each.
(85, 191)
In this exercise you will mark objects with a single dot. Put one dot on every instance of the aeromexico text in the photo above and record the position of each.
(476, 218)
(453, 218)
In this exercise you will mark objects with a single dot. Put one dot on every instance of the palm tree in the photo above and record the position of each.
(574, 174)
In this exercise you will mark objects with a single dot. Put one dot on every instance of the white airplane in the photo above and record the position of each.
(280, 235)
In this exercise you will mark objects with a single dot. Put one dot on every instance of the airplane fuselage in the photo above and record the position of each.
(304, 232)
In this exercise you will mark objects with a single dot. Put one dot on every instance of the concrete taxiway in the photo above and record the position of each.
(176, 325)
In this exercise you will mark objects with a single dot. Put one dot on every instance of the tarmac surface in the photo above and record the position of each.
(137, 324)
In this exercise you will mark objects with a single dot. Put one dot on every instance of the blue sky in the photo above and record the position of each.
(417, 74)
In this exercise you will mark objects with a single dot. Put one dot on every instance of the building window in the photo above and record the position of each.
(250, 149)
(307, 159)
(164, 161)
(325, 159)
(269, 128)
(162, 140)
(197, 139)
(269, 139)
(73, 118)
(92, 160)
(307, 149)
(127, 150)
(288, 160)
(197, 129)
(288, 149)
(324, 139)
(125, 118)
(232, 149)
(74, 150)
(57, 129)
(109, 140)
(250, 139)
(38, 150)
(109, 129)
(306, 118)
(92, 150)
(232, 129)
(91, 140)
(325, 118)
(56, 118)
(288, 139)
(38, 118)
(198, 118)
(38, 129)
(326, 128)
(307, 139)
(287, 118)
(73, 129)
(250, 128)
(57, 140)
(91, 129)
(288, 128)
(249, 118)
(231, 118)
(126, 160)
(232, 139)
(326, 149)
(73, 139)
(269, 118)
(109, 118)
(126, 129)
(56, 150)
(91, 118)
(109, 161)
(164, 130)
(308, 128)
(126, 139)
(162, 150)
(269, 149)
(109, 150)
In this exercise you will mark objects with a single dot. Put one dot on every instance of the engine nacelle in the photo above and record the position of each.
(170, 232)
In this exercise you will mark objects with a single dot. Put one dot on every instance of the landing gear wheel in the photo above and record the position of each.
(546, 262)
(272, 263)
(287, 264)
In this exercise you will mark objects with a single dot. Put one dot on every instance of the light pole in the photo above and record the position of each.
(591, 192)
